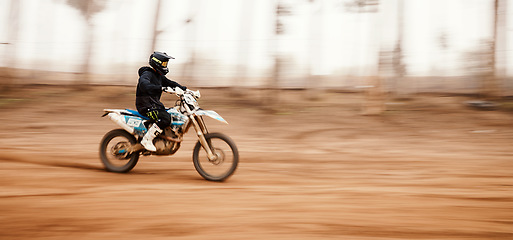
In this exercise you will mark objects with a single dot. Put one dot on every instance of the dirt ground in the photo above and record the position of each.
(428, 168)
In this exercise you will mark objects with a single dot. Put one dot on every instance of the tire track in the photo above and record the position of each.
(23, 158)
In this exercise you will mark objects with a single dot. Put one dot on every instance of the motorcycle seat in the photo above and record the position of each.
(136, 113)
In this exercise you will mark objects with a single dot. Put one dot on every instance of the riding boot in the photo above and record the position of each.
(147, 140)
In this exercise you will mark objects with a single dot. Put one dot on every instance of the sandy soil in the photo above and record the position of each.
(429, 168)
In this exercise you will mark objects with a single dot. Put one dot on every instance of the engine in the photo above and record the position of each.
(167, 143)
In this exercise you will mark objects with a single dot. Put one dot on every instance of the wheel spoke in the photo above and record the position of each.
(114, 154)
(225, 162)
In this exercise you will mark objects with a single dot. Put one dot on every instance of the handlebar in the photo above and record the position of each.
(179, 92)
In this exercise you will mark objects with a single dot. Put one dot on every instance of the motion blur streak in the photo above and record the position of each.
(354, 119)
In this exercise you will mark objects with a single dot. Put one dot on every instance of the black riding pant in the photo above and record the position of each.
(160, 116)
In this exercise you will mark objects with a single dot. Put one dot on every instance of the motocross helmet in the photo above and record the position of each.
(159, 60)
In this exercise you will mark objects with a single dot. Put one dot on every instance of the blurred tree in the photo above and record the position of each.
(156, 31)
(501, 42)
(272, 93)
(491, 83)
(8, 74)
(478, 61)
(482, 62)
(314, 83)
(281, 10)
(88, 8)
(362, 6)
(398, 65)
(189, 68)
(374, 103)
(490, 88)
(245, 27)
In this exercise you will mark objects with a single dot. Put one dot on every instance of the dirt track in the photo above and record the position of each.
(429, 168)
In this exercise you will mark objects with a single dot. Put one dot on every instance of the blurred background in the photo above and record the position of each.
(395, 46)
(425, 166)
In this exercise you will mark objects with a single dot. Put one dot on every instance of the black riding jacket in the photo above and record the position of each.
(149, 89)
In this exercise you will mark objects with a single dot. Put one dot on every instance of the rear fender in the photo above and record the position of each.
(132, 124)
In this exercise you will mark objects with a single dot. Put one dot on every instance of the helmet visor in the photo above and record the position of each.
(164, 64)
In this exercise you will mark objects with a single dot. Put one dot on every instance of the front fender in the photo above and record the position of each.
(212, 114)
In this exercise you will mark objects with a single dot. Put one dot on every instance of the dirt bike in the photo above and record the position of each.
(215, 155)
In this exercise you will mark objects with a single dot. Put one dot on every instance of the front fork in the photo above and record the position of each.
(201, 130)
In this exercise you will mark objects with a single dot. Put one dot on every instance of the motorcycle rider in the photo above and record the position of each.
(152, 81)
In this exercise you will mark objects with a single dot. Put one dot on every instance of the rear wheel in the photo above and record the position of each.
(227, 157)
(114, 151)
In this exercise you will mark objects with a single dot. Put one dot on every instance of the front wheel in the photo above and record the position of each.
(114, 151)
(227, 157)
